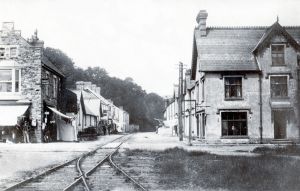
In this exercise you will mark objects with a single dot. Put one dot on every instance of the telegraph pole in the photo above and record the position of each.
(180, 88)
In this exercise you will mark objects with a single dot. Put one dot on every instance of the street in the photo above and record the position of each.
(154, 161)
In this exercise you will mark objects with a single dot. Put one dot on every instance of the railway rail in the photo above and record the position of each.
(94, 170)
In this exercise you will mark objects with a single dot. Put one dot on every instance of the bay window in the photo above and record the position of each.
(10, 80)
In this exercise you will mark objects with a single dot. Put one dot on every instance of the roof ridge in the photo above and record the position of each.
(248, 27)
(238, 27)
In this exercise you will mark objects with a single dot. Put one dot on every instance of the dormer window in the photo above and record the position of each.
(277, 54)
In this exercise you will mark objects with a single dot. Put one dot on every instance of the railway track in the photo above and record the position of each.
(94, 170)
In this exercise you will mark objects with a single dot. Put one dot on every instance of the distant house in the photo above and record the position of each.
(171, 113)
(96, 111)
(30, 87)
(246, 83)
(88, 114)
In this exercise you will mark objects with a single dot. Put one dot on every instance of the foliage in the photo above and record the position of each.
(142, 107)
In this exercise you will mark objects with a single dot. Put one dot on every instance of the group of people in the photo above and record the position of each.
(21, 132)
(106, 129)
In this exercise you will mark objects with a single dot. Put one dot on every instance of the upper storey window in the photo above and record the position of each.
(277, 54)
(233, 87)
(8, 51)
(10, 80)
(13, 51)
(279, 86)
(2, 52)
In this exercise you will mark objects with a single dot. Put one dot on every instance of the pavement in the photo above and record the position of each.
(160, 142)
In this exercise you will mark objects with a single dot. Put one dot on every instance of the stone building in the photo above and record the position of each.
(29, 85)
(246, 82)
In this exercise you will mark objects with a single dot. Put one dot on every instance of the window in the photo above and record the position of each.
(279, 88)
(233, 87)
(6, 81)
(10, 80)
(234, 123)
(8, 51)
(17, 80)
(47, 85)
(202, 90)
(2, 52)
(197, 92)
(54, 86)
(277, 55)
(13, 52)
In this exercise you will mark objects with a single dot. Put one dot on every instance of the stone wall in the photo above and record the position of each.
(28, 60)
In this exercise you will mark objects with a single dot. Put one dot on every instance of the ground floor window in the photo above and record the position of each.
(234, 123)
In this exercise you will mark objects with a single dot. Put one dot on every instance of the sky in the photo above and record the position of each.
(141, 39)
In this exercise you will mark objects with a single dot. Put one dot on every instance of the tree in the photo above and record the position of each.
(142, 107)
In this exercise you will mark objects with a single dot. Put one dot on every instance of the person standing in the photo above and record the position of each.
(109, 128)
(25, 130)
(104, 129)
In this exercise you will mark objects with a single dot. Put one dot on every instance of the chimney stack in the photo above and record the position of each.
(79, 85)
(7, 27)
(201, 20)
(98, 90)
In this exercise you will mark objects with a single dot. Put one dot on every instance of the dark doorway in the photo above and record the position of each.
(202, 125)
(198, 125)
(280, 120)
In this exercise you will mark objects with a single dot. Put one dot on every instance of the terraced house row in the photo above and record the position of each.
(34, 101)
(244, 83)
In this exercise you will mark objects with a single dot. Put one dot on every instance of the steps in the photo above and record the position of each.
(282, 141)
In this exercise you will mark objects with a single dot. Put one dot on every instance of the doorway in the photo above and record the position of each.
(198, 125)
(201, 123)
(279, 121)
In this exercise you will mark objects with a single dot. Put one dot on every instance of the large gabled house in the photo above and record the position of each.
(246, 82)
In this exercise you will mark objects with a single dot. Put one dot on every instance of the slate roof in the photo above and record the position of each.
(275, 29)
(230, 48)
(50, 66)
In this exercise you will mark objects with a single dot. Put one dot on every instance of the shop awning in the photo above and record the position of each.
(10, 113)
(59, 113)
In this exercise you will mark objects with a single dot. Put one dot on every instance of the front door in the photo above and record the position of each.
(280, 120)
(198, 125)
(202, 125)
